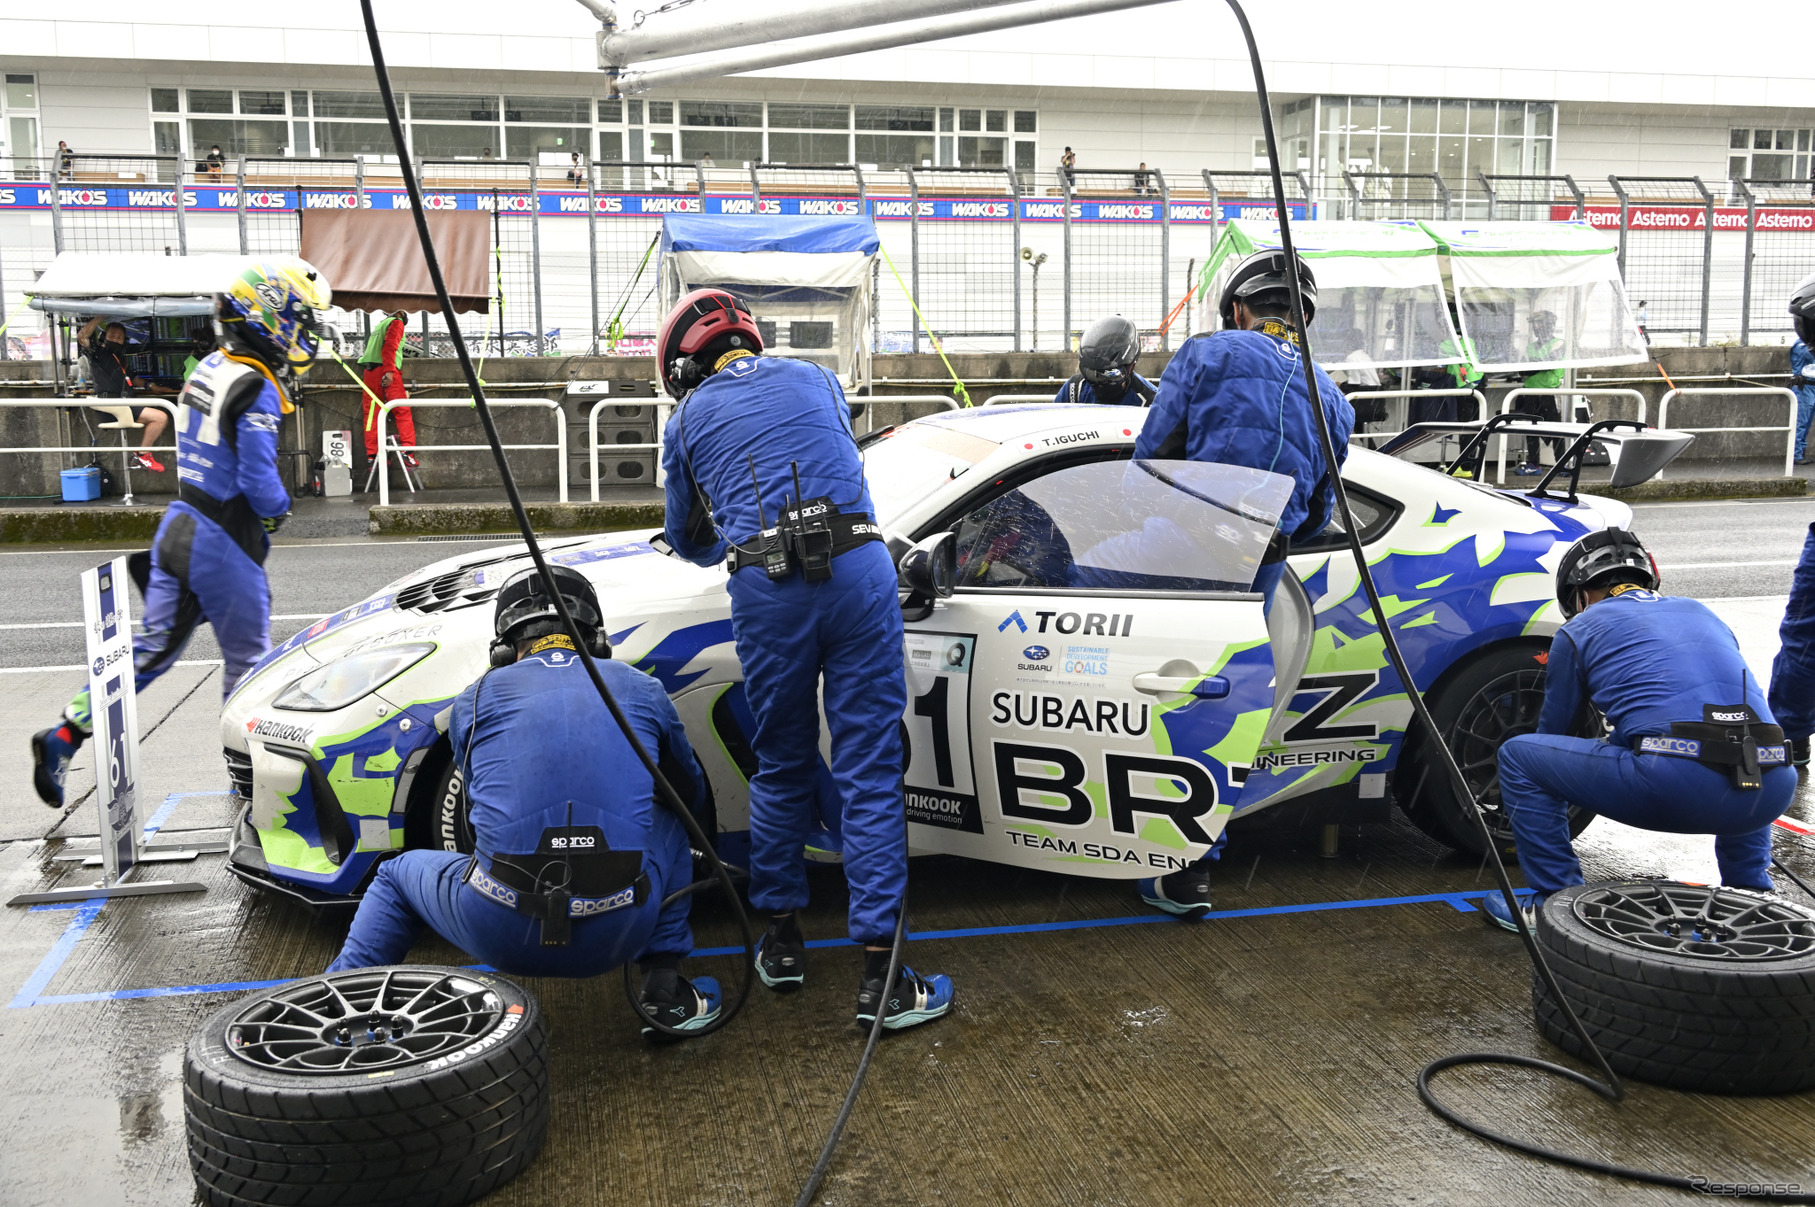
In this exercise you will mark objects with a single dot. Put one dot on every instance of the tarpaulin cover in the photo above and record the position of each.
(133, 286)
(767, 232)
(373, 261)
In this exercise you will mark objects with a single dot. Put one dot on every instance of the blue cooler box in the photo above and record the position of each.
(81, 485)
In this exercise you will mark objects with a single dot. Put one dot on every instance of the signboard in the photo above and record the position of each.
(113, 703)
(1692, 217)
(336, 448)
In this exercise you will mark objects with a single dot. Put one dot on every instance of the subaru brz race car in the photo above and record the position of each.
(1100, 696)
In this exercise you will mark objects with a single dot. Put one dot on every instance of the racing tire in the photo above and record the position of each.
(1693, 987)
(1495, 696)
(411, 1085)
(440, 814)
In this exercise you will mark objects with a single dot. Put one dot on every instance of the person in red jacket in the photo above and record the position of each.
(383, 368)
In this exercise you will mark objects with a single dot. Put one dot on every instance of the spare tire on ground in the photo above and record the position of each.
(403, 1085)
(1690, 986)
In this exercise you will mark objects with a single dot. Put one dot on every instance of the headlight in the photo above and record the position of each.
(338, 684)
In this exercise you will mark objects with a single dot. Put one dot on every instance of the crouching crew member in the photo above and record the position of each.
(574, 855)
(1106, 373)
(1793, 671)
(1237, 397)
(764, 476)
(208, 559)
(1694, 749)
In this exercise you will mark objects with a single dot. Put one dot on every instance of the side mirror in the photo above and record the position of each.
(928, 571)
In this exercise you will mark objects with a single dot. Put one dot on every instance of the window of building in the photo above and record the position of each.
(611, 113)
(349, 104)
(722, 114)
(528, 142)
(800, 134)
(211, 100)
(661, 113)
(1328, 135)
(895, 136)
(21, 126)
(1768, 155)
(237, 136)
(442, 107)
(164, 100)
(261, 103)
(557, 110)
(433, 140)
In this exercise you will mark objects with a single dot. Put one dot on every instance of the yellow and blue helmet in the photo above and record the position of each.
(272, 311)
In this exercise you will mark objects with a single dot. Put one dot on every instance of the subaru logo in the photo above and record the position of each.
(1036, 653)
(99, 666)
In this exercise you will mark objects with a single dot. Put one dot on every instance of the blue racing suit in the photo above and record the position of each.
(540, 748)
(1139, 393)
(1238, 398)
(784, 412)
(1793, 671)
(1646, 661)
(1802, 380)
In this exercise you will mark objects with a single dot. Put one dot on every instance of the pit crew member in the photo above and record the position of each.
(1106, 357)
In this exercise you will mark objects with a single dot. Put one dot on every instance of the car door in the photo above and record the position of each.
(1079, 702)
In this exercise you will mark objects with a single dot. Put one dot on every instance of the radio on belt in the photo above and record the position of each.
(801, 539)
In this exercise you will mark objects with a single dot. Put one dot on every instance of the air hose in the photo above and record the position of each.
(664, 791)
(1611, 1088)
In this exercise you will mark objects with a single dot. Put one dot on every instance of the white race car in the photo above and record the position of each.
(1099, 696)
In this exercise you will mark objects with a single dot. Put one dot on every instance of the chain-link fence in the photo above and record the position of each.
(1666, 234)
(1779, 253)
(1114, 217)
(507, 190)
(123, 204)
(1390, 196)
(1533, 198)
(965, 249)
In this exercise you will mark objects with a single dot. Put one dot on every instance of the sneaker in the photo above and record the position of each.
(1493, 908)
(409, 460)
(1799, 752)
(678, 1002)
(51, 751)
(915, 1000)
(1528, 470)
(781, 957)
(1185, 893)
(147, 461)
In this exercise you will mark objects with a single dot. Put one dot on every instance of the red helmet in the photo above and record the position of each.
(697, 321)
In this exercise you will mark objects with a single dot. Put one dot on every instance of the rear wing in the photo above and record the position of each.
(1636, 452)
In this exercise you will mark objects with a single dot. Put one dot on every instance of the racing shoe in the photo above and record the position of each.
(52, 749)
(1528, 470)
(1799, 752)
(1493, 908)
(675, 1001)
(914, 1000)
(781, 954)
(1185, 893)
(148, 462)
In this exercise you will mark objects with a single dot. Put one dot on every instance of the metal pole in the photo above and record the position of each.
(1575, 190)
(359, 180)
(535, 252)
(1707, 253)
(1165, 259)
(914, 252)
(239, 185)
(756, 190)
(1014, 252)
(1745, 285)
(3, 323)
(592, 262)
(1489, 190)
(56, 212)
(875, 306)
(182, 227)
(1619, 191)
(666, 39)
(1443, 191)
(1190, 296)
(1216, 206)
(1065, 215)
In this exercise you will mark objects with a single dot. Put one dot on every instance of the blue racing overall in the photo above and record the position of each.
(543, 755)
(785, 415)
(1793, 672)
(1649, 662)
(1139, 393)
(1238, 398)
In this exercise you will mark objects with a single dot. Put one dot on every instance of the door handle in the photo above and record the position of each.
(1206, 687)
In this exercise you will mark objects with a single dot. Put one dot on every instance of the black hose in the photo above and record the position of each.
(664, 791)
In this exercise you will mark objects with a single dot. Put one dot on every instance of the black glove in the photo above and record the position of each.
(273, 522)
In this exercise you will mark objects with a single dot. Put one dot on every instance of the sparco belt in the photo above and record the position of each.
(1728, 738)
(802, 538)
(572, 874)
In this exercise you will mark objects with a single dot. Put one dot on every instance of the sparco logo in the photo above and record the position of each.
(278, 731)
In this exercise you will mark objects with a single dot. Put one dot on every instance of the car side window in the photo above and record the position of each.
(1374, 514)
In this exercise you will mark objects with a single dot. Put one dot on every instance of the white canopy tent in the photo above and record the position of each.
(133, 286)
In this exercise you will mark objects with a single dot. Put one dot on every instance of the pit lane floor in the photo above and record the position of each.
(1097, 1054)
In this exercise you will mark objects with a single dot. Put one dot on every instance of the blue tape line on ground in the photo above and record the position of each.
(59, 952)
(1459, 901)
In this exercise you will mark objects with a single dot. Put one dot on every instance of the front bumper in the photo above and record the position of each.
(246, 859)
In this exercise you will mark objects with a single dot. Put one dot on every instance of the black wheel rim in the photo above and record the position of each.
(1504, 708)
(1707, 922)
(357, 1022)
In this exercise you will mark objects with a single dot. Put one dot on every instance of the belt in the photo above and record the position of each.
(234, 517)
(536, 904)
(848, 532)
(1738, 749)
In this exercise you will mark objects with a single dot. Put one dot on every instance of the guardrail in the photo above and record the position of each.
(869, 412)
(1000, 399)
(592, 440)
(1560, 392)
(1789, 430)
(560, 445)
(93, 403)
(1407, 396)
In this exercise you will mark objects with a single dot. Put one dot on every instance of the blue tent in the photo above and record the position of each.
(767, 232)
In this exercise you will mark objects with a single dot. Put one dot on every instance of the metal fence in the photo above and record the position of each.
(987, 259)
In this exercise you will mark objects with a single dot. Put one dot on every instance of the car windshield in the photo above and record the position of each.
(907, 464)
(1125, 525)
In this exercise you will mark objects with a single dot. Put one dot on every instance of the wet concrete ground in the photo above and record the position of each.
(1097, 1054)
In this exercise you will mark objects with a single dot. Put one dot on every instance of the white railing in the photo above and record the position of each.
(560, 445)
(870, 400)
(1405, 398)
(592, 440)
(1001, 399)
(1789, 429)
(1560, 392)
(94, 404)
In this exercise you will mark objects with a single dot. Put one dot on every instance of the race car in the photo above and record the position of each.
(1101, 693)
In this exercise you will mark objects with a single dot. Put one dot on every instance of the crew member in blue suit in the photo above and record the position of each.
(1802, 362)
(1694, 748)
(574, 855)
(764, 476)
(1793, 671)
(208, 558)
(1106, 357)
(1237, 397)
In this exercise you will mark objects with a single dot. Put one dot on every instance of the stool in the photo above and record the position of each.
(390, 446)
(123, 422)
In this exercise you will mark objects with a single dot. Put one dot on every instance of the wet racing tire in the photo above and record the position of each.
(410, 1085)
(1495, 696)
(440, 812)
(1694, 987)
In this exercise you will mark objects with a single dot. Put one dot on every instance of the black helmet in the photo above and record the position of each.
(1802, 309)
(524, 611)
(1263, 273)
(1596, 557)
(1107, 353)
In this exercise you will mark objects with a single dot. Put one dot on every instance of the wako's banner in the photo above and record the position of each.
(210, 200)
